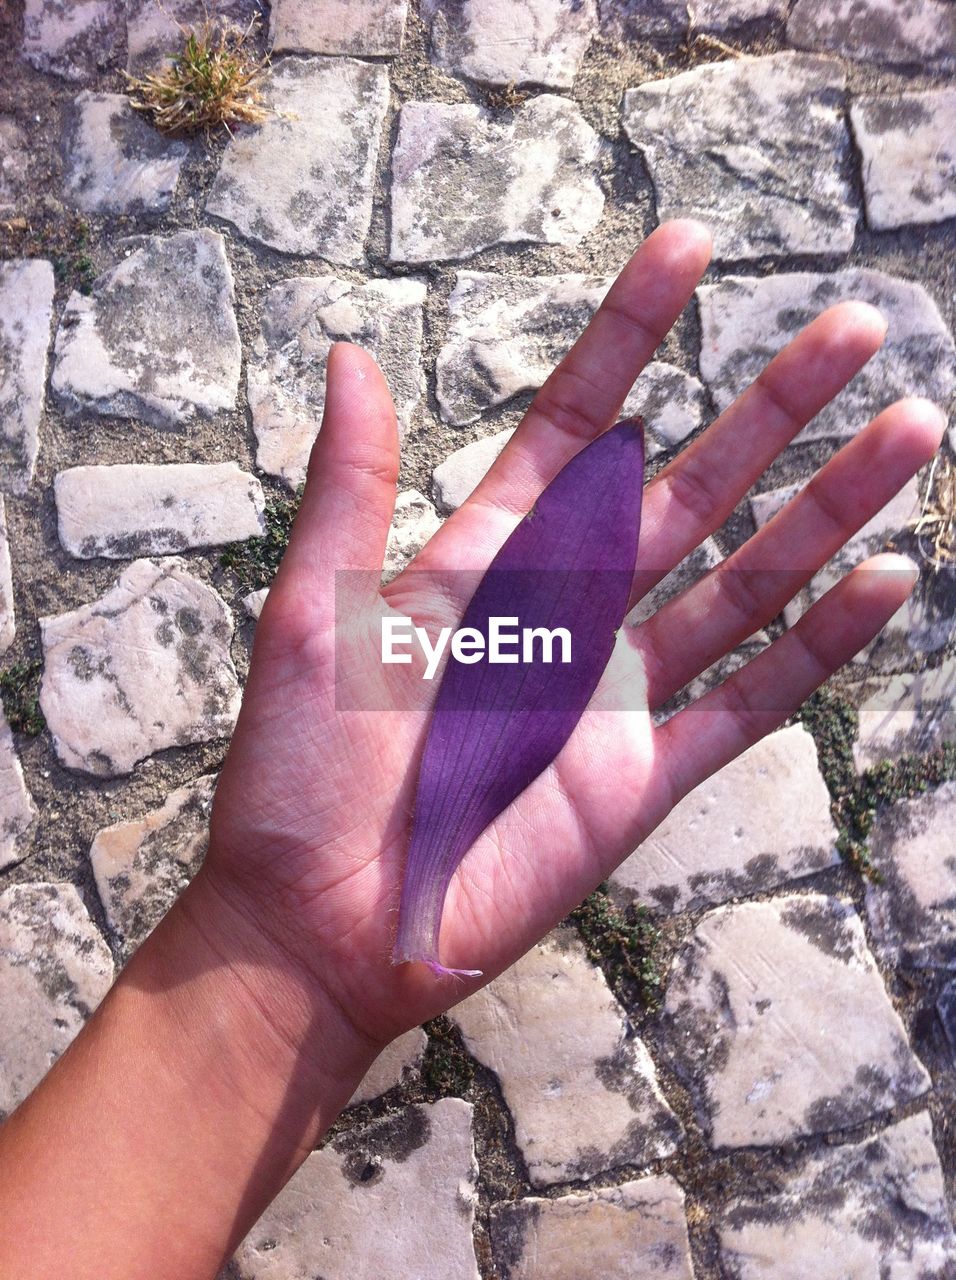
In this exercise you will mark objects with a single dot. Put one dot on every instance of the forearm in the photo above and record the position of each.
(196, 1089)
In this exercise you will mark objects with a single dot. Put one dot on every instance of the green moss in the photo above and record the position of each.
(255, 561)
(624, 942)
(20, 692)
(447, 1070)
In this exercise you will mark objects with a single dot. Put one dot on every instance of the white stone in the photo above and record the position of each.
(157, 338)
(396, 1199)
(399, 1059)
(414, 522)
(456, 477)
(545, 41)
(26, 311)
(8, 625)
(463, 180)
(302, 181)
(54, 970)
(14, 164)
(906, 715)
(908, 148)
(911, 31)
(253, 602)
(639, 19)
(74, 39)
(670, 401)
(115, 161)
(141, 509)
(372, 28)
(581, 1088)
(155, 31)
(762, 820)
(778, 1022)
(144, 667)
(301, 320)
(17, 809)
(755, 147)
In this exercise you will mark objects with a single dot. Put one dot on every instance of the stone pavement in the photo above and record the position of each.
(740, 1059)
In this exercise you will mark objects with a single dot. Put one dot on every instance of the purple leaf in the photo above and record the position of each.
(495, 728)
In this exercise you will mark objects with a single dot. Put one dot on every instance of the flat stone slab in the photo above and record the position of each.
(155, 31)
(75, 39)
(397, 1061)
(146, 666)
(581, 1088)
(8, 625)
(302, 181)
(157, 338)
(762, 820)
(745, 321)
(140, 509)
(114, 161)
(639, 19)
(755, 147)
(546, 39)
(909, 156)
(906, 714)
(456, 478)
(396, 1198)
(912, 911)
(26, 312)
(463, 180)
(14, 164)
(871, 1208)
(373, 28)
(414, 522)
(55, 968)
(17, 809)
(767, 1058)
(919, 31)
(301, 320)
(632, 1230)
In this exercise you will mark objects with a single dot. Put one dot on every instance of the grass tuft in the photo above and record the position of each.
(624, 943)
(20, 693)
(936, 527)
(255, 561)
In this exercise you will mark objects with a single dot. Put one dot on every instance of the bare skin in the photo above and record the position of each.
(242, 1026)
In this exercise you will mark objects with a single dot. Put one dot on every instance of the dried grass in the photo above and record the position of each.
(935, 529)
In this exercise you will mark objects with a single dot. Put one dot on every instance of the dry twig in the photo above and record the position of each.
(936, 527)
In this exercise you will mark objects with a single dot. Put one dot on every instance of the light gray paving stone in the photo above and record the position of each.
(581, 1088)
(456, 477)
(868, 1209)
(114, 161)
(155, 30)
(463, 180)
(912, 909)
(908, 147)
(26, 311)
(141, 509)
(146, 666)
(761, 821)
(544, 44)
(373, 28)
(696, 565)
(8, 626)
(640, 19)
(915, 31)
(906, 714)
(756, 147)
(74, 39)
(414, 522)
(55, 968)
(157, 338)
(301, 320)
(745, 321)
(17, 809)
(626, 1232)
(395, 1198)
(670, 401)
(14, 164)
(396, 1062)
(768, 1058)
(302, 181)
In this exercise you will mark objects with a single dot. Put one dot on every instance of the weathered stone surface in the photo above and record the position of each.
(253, 602)
(54, 970)
(456, 477)
(873, 1208)
(115, 162)
(414, 522)
(582, 1089)
(8, 626)
(912, 910)
(639, 19)
(17, 810)
(302, 181)
(633, 1230)
(745, 321)
(372, 28)
(157, 338)
(155, 31)
(670, 401)
(139, 509)
(908, 146)
(769, 1058)
(146, 666)
(26, 311)
(14, 163)
(756, 147)
(762, 820)
(463, 180)
(908, 714)
(401, 1057)
(545, 41)
(301, 320)
(917, 31)
(396, 1198)
(74, 39)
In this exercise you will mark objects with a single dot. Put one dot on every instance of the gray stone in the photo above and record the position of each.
(909, 156)
(745, 321)
(373, 28)
(157, 338)
(26, 311)
(301, 320)
(302, 181)
(14, 164)
(906, 715)
(636, 1229)
(396, 1198)
(762, 820)
(915, 31)
(253, 602)
(8, 626)
(946, 1012)
(155, 30)
(456, 477)
(139, 509)
(114, 161)
(463, 180)
(691, 570)
(17, 809)
(74, 39)
(779, 1024)
(54, 970)
(395, 1063)
(546, 39)
(670, 401)
(756, 147)
(414, 522)
(640, 19)
(912, 908)
(144, 667)
(580, 1086)
(869, 1209)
